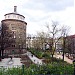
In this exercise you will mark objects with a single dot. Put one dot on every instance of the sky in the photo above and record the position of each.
(39, 12)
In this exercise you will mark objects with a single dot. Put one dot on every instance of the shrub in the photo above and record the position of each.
(51, 69)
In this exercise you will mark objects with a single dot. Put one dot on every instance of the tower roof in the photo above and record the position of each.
(15, 12)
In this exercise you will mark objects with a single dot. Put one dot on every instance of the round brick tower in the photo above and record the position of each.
(17, 25)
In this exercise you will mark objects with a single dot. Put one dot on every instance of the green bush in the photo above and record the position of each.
(46, 55)
(11, 71)
(37, 53)
(51, 69)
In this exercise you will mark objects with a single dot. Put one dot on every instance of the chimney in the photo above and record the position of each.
(15, 8)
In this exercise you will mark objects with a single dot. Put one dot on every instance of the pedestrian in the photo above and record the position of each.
(32, 55)
(11, 57)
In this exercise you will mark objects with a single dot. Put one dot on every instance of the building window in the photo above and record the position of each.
(20, 26)
(14, 36)
(13, 32)
(13, 27)
(18, 17)
(13, 45)
(8, 16)
(20, 36)
(14, 16)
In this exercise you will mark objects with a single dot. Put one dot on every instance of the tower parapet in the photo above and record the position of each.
(14, 15)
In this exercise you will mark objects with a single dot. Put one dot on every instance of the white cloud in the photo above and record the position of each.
(33, 28)
(36, 18)
(6, 6)
(66, 17)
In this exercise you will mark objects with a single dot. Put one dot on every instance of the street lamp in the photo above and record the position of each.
(74, 65)
(63, 45)
(0, 53)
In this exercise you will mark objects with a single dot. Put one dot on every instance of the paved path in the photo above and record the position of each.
(34, 59)
(16, 61)
(8, 63)
(39, 61)
(65, 58)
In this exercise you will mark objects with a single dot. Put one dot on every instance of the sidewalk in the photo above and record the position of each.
(5, 62)
(65, 59)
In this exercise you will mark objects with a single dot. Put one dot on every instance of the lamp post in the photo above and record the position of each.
(45, 45)
(63, 45)
(74, 66)
(0, 53)
(19, 48)
(13, 52)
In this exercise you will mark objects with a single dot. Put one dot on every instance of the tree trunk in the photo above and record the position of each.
(0, 55)
(52, 55)
(2, 50)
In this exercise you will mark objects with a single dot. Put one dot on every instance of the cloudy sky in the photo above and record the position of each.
(39, 12)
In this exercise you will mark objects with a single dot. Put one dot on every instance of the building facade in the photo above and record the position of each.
(70, 44)
(15, 22)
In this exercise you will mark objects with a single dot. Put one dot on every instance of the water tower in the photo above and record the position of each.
(17, 25)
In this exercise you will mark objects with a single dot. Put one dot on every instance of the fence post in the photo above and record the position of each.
(74, 66)
(23, 69)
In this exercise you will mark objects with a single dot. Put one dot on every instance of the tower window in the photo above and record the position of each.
(14, 16)
(13, 27)
(8, 16)
(13, 32)
(13, 45)
(14, 36)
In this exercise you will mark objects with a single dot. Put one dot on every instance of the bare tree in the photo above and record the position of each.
(39, 40)
(56, 33)
(42, 37)
(52, 31)
(64, 32)
(5, 38)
